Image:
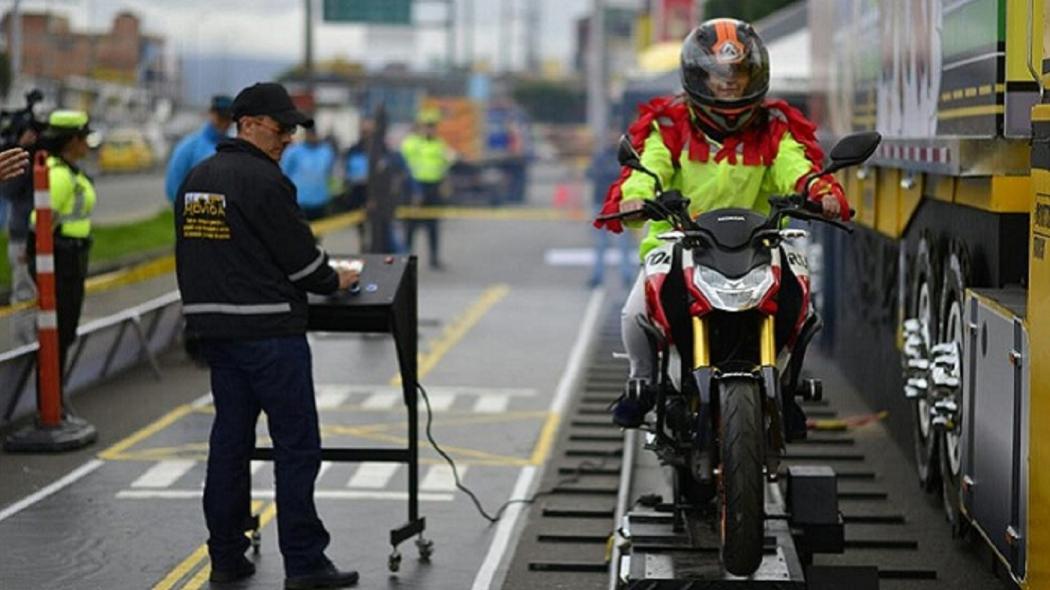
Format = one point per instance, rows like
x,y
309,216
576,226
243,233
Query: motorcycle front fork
x,y
767,372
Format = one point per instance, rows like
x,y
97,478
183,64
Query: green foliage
x,y
746,10
114,243
552,102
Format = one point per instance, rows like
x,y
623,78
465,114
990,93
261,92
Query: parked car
x,y
125,150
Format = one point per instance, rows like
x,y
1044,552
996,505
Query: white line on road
x,y
569,379
440,402
373,475
483,580
439,478
491,405
331,396
381,401
266,494
164,473
31,499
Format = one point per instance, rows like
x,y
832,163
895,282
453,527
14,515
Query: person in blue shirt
x,y
308,164
195,147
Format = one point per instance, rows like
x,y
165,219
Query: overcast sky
x,y
274,28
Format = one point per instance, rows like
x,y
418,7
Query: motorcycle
x,y
729,320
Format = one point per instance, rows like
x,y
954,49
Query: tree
x,y
551,102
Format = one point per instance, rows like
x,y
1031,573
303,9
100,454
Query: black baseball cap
x,y
270,99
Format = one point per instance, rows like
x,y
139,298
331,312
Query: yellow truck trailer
x,y
947,275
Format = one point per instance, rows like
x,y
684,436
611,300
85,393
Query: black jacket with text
x,y
245,256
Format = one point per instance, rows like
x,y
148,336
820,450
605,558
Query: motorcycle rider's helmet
x,y
725,73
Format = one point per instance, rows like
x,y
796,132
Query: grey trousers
x,y
635,342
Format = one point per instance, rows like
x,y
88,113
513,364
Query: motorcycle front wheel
x,y
742,483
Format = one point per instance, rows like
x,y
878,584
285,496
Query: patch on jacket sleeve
x,y
204,217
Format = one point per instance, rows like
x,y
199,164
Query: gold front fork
x,y
701,352
767,343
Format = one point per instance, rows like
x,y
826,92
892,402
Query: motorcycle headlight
x,y
739,294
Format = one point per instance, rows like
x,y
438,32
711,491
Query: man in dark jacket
x,y
245,260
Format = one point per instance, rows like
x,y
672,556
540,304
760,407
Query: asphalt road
x,y
124,198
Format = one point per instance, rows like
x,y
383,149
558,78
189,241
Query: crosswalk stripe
x,y
373,475
491,404
439,478
325,466
440,402
256,466
383,400
164,473
331,396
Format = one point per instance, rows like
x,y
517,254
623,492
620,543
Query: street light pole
x,y
451,33
597,92
308,47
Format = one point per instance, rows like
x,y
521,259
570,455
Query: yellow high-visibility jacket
x,y
72,199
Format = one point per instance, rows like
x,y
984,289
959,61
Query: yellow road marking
x,y
200,555
546,439
490,213
166,265
146,432
186,566
455,331
990,109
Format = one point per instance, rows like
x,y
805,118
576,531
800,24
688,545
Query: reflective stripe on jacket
x,y
72,199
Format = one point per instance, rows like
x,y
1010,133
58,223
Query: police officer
x,y
428,159
245,259
72,201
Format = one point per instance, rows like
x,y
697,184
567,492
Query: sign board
x,y
375,12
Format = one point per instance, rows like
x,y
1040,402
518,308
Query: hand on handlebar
x,y
633,207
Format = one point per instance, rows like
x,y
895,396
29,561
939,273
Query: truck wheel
x,y
949,407
742,489
922,307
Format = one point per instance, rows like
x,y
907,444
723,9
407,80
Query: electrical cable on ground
x,y
493,519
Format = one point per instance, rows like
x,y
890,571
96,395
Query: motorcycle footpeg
x,y
811,390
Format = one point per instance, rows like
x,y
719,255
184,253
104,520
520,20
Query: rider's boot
x,y
637,399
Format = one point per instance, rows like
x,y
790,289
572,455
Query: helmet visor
x,y
728,73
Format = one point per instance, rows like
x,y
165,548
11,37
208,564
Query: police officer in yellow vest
x,y
72,201
428,159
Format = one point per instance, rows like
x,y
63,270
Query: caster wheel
x,y
426,549
256,541
393,563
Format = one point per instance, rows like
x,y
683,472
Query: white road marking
x,y
439,478
580,257
486,574
496,404
373,475
569,379
384,400
256,466
325,466
39,495
331,396
265,494
439,402
164,473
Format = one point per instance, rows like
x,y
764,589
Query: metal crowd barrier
x,y
104,347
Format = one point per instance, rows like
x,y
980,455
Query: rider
x,y
721,144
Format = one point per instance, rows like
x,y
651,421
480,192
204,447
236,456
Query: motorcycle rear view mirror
x,y
853,149
628,156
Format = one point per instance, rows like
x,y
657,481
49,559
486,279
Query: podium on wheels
x,y
383,301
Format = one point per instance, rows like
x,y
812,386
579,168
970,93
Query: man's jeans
x,y
272,375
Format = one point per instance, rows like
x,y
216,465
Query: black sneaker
x,y
329,577
629,411
241,570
